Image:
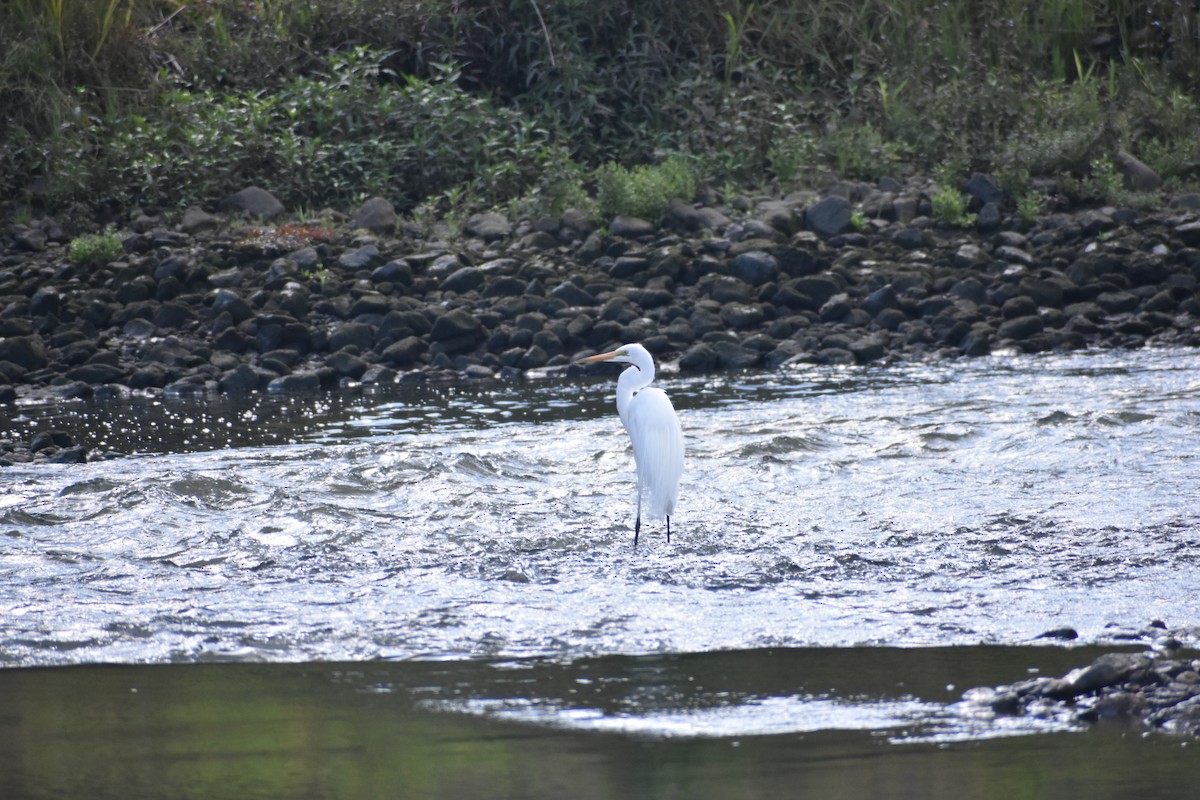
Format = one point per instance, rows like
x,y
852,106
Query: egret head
x,y
633,354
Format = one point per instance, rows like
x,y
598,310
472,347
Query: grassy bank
x,y
443,106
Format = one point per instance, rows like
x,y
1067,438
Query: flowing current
x,y
966,503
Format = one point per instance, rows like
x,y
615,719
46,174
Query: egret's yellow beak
x,y
601,357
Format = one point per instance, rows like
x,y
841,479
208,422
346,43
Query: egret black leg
x,y
637,528
668,530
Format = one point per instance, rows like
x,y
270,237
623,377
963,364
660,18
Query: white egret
x,y
653,426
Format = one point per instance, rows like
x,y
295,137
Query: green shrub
x,y
950,207
643,191
791,155
1029,205
94,249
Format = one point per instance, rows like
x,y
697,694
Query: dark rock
x,y
731,355
45,301
174,315
376,215
397,272
1020,328
149,376
351,334
699,357
1188,233
370,304
977,341
684,217
834,308
1048,291
988,218
1062,633
970,255
1137,176
1014,255
818,288
1117,302
742,316
1019,306
983,190
244,379
878,300
27,352
1105,671
628,266
96,373
835,355
488,226
398,324
829,217
346,363
536,240
29,240
591,248
533,358
463,280
909,238
255,202
365,257
44,440
778,215
631,227
455,324
405,352
756,267
196,219
573,295
869,348
70,455
305,382
969,289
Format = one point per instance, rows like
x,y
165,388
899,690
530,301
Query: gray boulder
x,y
488,226
829,217
376,215
255,202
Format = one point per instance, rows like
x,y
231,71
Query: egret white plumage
x,y
653,426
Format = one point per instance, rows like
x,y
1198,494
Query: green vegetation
x,y
92,249
950,207
475,103
643,191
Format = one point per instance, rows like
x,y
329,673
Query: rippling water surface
x,y
453,568
976,502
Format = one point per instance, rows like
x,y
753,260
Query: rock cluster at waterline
x,y
1156,690
223,302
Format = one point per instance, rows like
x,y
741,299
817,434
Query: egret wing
x,y
658,449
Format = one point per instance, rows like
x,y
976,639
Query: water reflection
x,y
769,723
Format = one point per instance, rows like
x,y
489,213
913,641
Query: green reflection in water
x,y
367,731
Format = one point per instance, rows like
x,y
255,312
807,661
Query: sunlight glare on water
x,y
974,502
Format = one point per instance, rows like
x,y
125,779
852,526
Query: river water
x,y
901,533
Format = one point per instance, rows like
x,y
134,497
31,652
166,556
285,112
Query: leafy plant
x,y
95,249
950,207
790,155
1029,205
1103,181
643,191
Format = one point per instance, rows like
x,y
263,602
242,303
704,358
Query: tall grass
x,y
782,88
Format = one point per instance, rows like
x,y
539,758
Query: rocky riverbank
x,y
1154,691
246,298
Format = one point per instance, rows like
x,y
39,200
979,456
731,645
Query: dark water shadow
x,y
843,723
